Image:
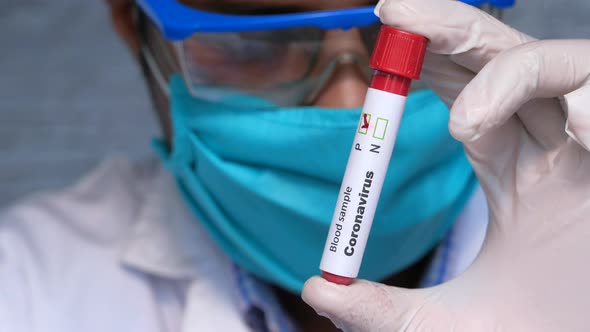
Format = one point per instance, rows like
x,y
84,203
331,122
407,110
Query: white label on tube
x,y
361,187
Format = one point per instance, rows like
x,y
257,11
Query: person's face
x,y
346,88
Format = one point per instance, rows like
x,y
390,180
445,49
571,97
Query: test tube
x,y
397,60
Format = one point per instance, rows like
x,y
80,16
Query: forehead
x,y
263,6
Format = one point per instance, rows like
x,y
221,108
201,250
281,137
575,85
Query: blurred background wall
x,y
70,94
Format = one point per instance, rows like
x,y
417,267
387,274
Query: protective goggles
x,y
260,60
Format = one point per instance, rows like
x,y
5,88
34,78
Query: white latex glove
x,y
533,273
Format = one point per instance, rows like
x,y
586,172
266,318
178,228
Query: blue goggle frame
x,y
177,21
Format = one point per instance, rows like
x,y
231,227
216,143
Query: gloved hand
x,y
522,109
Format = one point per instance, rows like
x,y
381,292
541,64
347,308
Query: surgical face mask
x,y
264,182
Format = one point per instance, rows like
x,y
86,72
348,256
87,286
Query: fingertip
x,y
377,9
327,298
312,283
318,290
463,133
397,13
577,124
464,124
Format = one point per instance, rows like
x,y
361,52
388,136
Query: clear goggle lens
x,y
285,67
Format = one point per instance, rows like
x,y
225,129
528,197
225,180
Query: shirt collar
x,y
166,240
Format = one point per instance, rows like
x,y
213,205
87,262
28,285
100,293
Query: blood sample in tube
x,y
397,60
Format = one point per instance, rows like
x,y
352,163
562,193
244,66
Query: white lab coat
x,y
119,252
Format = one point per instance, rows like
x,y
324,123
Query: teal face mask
x,y
264,183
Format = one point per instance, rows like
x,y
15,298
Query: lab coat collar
x,y
166,240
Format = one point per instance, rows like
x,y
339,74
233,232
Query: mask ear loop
x,y
152,41
154,69
153,75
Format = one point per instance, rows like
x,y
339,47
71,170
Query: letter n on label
x,y
375,148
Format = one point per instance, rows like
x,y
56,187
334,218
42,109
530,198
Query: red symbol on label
x,y
365,122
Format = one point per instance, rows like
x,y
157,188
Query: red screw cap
x,y
399,52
